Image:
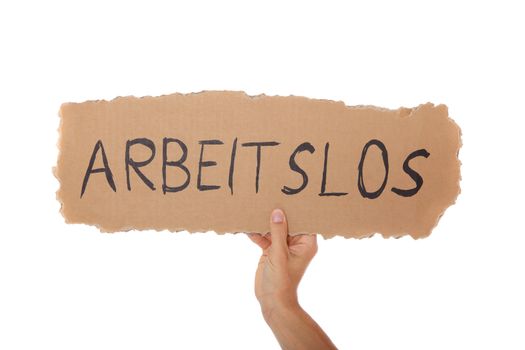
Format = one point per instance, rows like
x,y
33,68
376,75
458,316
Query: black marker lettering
x,y
179,164
232,166
412,173
135,164
207,163
105,169
305,146
323,182
361,184
259,145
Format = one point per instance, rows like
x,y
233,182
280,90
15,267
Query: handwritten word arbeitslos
x,y
169,164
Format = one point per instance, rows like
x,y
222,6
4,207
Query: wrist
x,y
278,305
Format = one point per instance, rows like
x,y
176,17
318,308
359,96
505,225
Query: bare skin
x,y
283,262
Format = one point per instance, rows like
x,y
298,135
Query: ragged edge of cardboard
x,y
407,113
402,111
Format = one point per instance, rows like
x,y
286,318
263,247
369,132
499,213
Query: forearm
x,y
295,329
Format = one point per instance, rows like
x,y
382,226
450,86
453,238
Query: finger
x,y
279,232
260,240
303,245
308,238
310,241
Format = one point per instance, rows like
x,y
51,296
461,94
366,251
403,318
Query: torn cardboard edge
x,y
225,116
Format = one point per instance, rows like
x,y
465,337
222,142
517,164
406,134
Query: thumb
x,y
279,231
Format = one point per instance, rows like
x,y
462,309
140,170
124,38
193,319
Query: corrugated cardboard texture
x,y
334,169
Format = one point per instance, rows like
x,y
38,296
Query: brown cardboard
x,y
234,203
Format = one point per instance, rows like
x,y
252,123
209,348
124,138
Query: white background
x,y
71,287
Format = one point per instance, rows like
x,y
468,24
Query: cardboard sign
x,y
222,161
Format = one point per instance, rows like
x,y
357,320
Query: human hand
x,y
282,264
